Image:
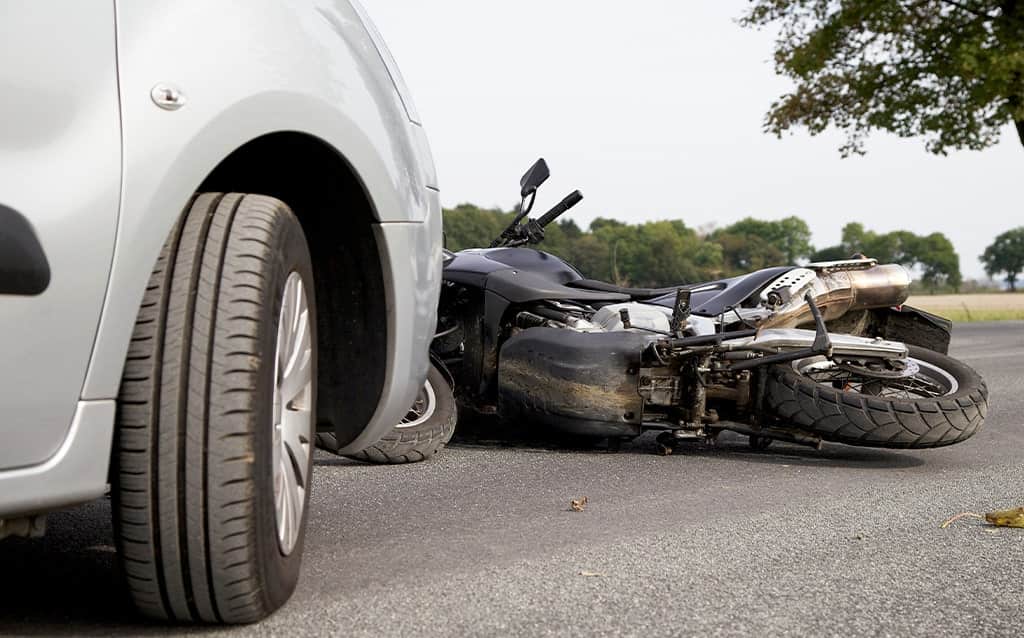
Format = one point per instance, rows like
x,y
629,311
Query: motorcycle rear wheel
x,y
942,401
426,428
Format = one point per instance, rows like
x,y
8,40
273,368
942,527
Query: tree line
x,y
666,253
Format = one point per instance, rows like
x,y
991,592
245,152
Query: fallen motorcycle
x,y
803,354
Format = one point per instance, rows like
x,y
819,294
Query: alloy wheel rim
x,y
422,408
292,415
923,381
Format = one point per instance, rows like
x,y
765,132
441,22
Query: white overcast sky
x,y
653,108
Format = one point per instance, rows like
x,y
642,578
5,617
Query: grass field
x,y
981,307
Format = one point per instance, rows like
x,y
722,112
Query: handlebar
x,y
571,200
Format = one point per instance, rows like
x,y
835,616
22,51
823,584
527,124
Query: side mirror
x,y
534,177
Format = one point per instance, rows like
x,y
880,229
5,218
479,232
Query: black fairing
x,y
477,264
524,274
716,297
521,275
509,276
580,383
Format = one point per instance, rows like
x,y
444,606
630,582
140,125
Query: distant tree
x,y
951,71
790,236
604,222
666,253
1006,255
939,263
933,254
670,253
592,257
744,253
832,253
569,227
888,248
468,226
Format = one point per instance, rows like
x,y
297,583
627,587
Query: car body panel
x,y
329,82
245,69
413,279
60,167
75,473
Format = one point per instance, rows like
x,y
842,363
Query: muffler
x,y
838,289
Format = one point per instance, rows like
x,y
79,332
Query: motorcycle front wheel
x,y
934,401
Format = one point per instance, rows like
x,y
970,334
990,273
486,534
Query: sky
x,y
654,109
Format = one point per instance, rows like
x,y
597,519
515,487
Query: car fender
x,y
330,82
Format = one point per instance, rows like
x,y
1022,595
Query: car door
x,y
60,177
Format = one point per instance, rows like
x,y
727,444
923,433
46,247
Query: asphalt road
x,y
480,541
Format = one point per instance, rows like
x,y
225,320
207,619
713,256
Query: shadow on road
x,y
484,434
68,583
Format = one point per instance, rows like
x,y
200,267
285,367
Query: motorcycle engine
x,y
648,317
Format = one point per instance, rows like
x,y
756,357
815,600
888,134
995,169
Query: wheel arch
x,y
337,216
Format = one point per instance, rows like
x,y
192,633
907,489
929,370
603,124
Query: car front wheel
x,y
216,414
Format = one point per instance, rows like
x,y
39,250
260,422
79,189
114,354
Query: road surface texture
x,y
722,541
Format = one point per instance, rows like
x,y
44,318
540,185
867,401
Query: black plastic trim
x,y
24,269
635,293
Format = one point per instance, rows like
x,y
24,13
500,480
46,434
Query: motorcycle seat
x,y
634,293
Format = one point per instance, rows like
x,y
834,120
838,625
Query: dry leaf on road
x,y
1006,518
578,504
1001,518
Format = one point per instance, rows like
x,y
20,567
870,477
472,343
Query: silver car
x,y
220,232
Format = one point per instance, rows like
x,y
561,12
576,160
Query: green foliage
x,y
1006,255
951,71
939,263
467,226
666,253
654,254
933,254
751,243
832,253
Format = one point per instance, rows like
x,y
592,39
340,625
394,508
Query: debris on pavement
x,y
578,504
590,574
1001,518
952,519
1006,518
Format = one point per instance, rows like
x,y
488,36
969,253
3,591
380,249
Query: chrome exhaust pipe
x,y
841,290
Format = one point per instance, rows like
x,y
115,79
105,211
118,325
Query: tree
x,y
745,253
933,254
467,226
939,263
1006,255
832,253
668,253
896,247
951,71
791,237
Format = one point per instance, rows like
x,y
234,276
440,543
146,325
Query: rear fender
x,y
443,369
913,326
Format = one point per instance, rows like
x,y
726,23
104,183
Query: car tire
x,y
216,413
421,435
